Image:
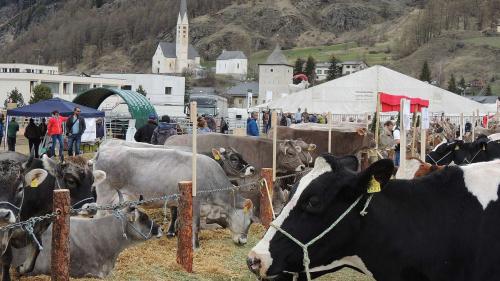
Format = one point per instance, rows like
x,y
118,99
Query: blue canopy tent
x,y
46,107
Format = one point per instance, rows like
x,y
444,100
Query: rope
x,y
306,260
367,203
269,198
437,163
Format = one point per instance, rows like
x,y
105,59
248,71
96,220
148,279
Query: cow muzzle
x,y
88,210
257,264
6,217
249,171
300,168
240,240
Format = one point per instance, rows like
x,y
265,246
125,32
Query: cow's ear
x,y
312,147
216,154
49,165
376,176
99,177
35,177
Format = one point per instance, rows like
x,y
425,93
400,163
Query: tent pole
x,y
402,141
6,126
462,126
377,122
414,135
473,125
330,125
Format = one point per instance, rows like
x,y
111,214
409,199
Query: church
x,y
174,58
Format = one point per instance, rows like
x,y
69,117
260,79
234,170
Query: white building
x,y
174,58
348,67
233,63
275,76
28,68
166,93
66,87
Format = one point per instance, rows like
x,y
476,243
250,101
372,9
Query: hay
x,y
219,259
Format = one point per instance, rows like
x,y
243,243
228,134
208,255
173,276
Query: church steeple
x,y
182,38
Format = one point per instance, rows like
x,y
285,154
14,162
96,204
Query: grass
x,y
217,260
485,41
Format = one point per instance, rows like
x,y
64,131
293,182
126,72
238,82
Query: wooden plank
x,y
266,209
274,125
60,236
185,238
194,116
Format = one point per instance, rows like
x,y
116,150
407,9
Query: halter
x,y
234,169
437,162
81,201
306,260
119,215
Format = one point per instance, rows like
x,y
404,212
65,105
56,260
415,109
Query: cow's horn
x,y
120,196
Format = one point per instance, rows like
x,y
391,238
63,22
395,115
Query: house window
x,y
158,62
348,66
319,71
347,72
272,70
168,90
238,66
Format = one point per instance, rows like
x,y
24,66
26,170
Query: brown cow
x,y
416,168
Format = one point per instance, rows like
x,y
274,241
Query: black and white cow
x,y
461,153
443,226
74,175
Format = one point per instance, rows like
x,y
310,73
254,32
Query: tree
x,y
335,69
299,66
452,85
14,97
141,90
462,86
310,69
40,92
425,75
488,91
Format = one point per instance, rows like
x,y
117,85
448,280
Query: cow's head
x,y
288,157
237,219
12,182
232,162
75,175
321,197
306,150
447,152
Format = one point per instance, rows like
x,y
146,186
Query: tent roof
x,y
357,94
46,107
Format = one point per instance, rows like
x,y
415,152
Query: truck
x,y
212,105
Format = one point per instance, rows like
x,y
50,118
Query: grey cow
x,y
154,172
96,243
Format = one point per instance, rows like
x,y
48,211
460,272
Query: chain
x,y
246,186
297,174
29,223
133,203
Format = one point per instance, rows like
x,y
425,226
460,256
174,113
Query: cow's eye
x,y
313,204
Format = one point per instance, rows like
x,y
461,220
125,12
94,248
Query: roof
x,y
357,94
138,105
232,55
352,62
277,57
203,91
484,99
242,88
183,8
46,107
169,50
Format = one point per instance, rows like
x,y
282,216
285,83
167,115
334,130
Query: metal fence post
x,y
266,193
60,236
185,239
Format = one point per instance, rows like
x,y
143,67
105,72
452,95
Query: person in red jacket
x,y
55,131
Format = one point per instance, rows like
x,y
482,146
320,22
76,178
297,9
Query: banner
x,y
425,119
249,100
90,132
407,114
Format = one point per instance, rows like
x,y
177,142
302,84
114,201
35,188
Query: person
x,y
289,120
164,130
298,117
305,116
321,119
145,132
203,126
396,135
252,127
212,125
283,120
55,130
1,127
11,134
33,134
99,129
266,121
75,127
224,126
313,118
43,127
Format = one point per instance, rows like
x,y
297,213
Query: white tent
x,y
357,94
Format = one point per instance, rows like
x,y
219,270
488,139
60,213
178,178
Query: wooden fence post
x,y
266,210
185,239
274,125
365,161
60,236
330,127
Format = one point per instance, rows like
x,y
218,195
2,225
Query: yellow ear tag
x,y
374,186
217,157
34,183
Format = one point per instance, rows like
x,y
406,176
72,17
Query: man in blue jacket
x,y
252,127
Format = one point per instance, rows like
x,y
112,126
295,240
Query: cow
x,y
153,172
439,227
231,160
416,168
74,175
257,151
15,156
96,243
305,151
481,150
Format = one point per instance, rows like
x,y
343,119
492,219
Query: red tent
x,y
392,103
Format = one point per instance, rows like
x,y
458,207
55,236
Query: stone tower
x,y
182,39
275,76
